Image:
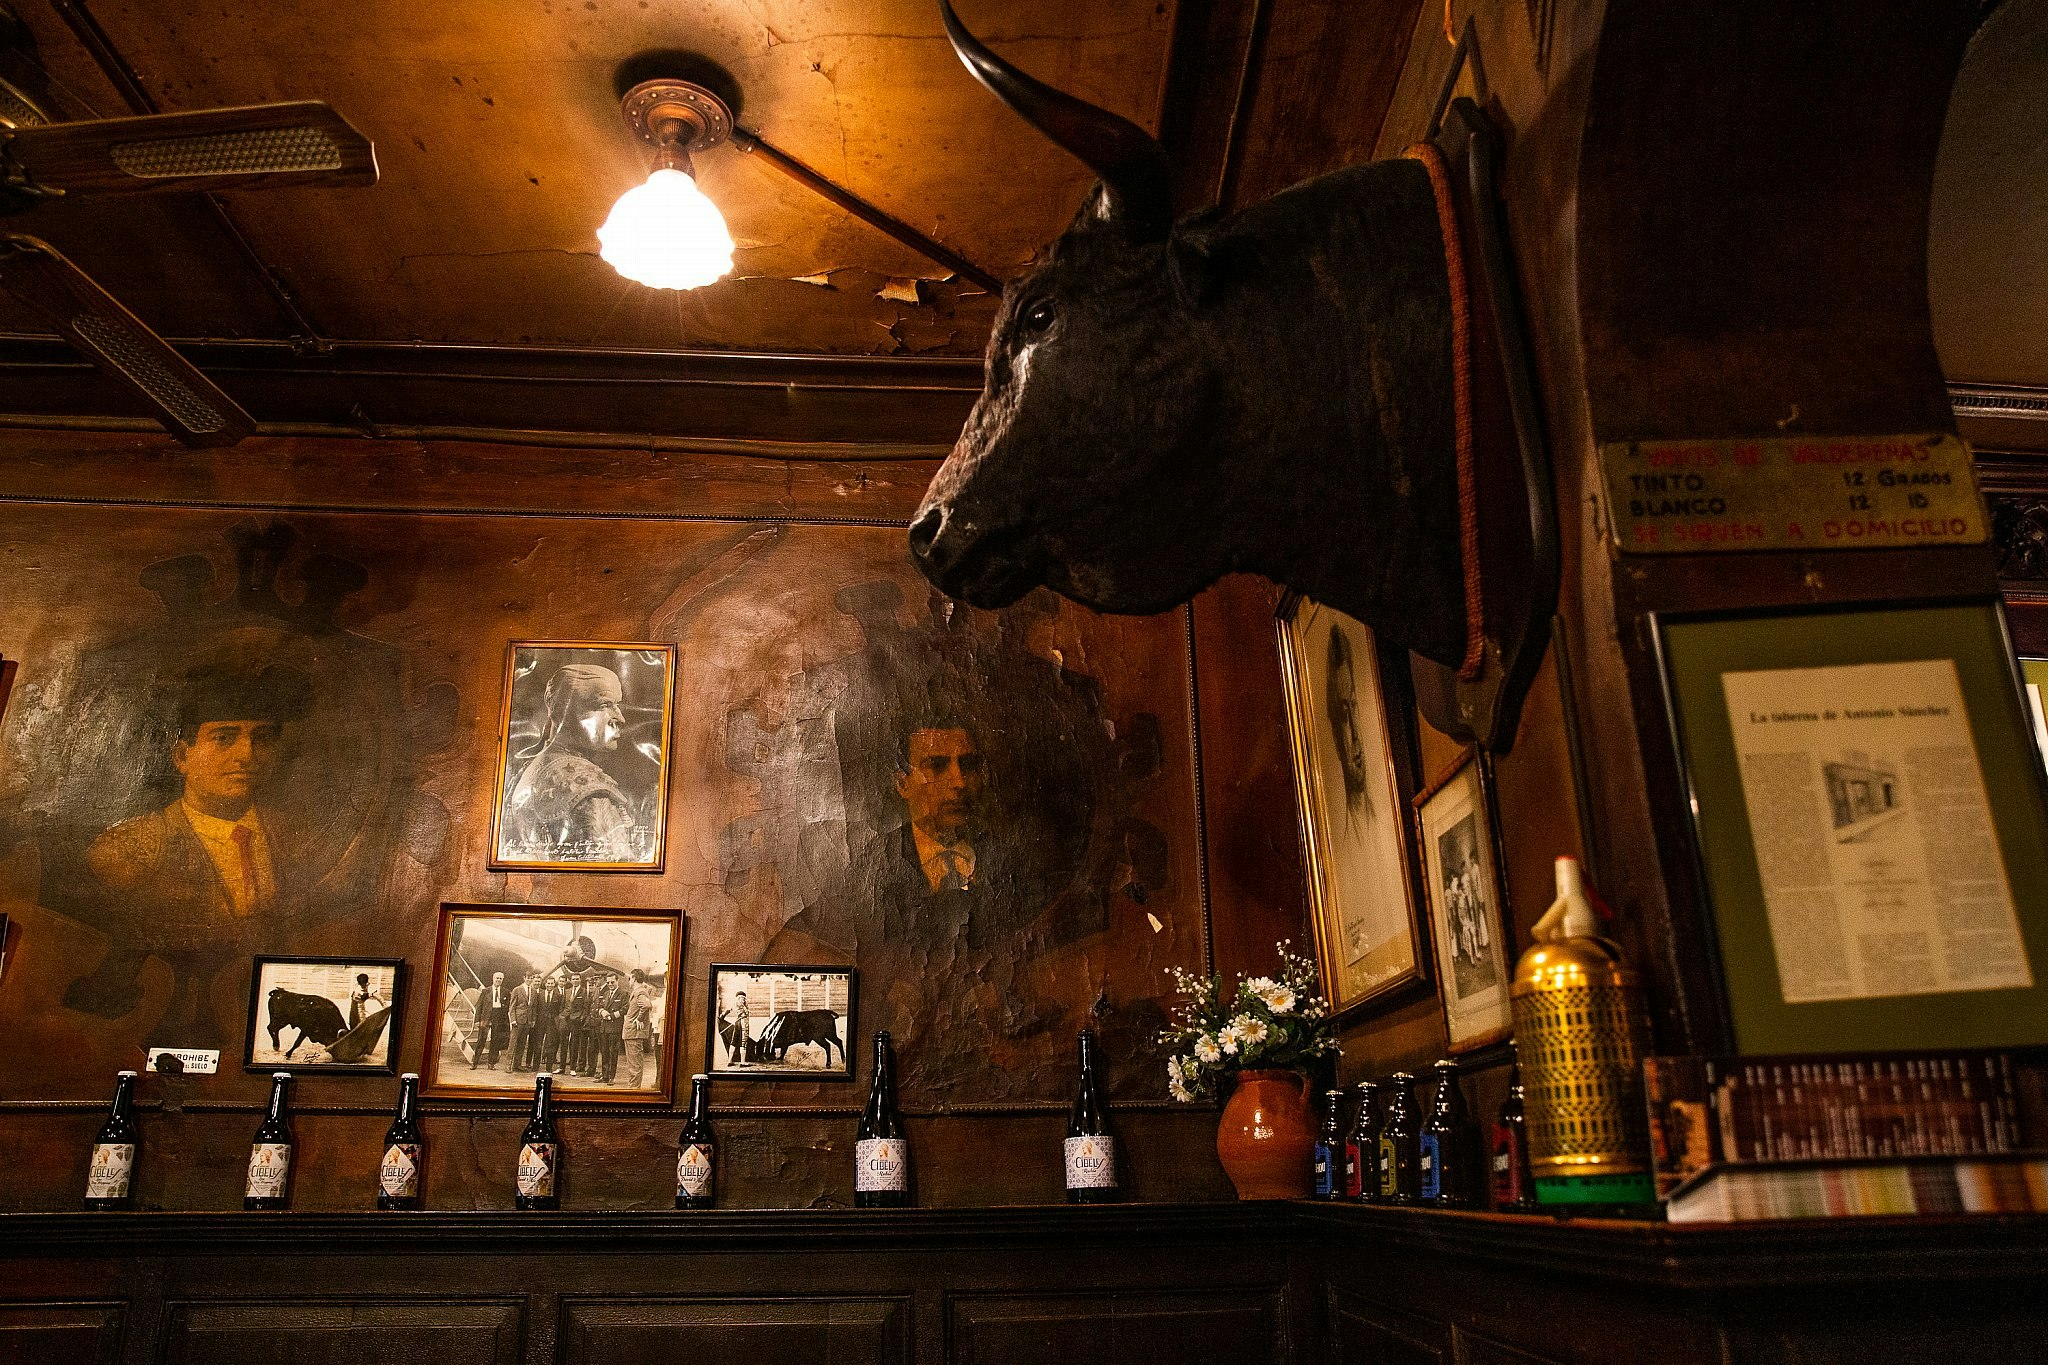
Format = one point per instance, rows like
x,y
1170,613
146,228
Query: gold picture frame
x,y
483,1041
1352,743
575,787
1469,922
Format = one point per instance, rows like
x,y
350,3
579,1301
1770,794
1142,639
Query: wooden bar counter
x,y
1232,1283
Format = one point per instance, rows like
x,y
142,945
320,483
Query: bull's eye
x,y
1036,318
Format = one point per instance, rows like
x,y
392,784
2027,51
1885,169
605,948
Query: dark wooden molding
x,y
376,388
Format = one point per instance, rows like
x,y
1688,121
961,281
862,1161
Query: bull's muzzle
x,y
964,561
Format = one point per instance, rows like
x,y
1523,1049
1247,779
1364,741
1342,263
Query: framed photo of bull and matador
x,y
1350,729
780,1023
583,751
331,1015
587,995
1468,912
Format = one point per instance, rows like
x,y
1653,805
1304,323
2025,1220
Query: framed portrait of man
x,y
1352,744
1467,902
583,751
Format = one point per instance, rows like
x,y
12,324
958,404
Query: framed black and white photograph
x,y
1468,916
583,750
1349,727
325,1014
781,1022
587,995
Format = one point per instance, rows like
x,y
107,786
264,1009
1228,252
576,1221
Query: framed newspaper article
x,y
1870,822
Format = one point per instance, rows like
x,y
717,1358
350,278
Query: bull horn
x,y
1136,180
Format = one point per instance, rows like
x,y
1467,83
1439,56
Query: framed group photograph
x,y
1349,729
588,995
583,753
324,1014
1868,812
780,1022
1468,913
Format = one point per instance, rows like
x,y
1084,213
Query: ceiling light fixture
x,y
666,233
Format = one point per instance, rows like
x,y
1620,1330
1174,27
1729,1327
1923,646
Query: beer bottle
x,y
697,1151
1091,1141
405,1151
881,1150
109,1183
1395,1164
1445,1156
538,1180
1329,1148
1513,1190
270,1152
1362,1147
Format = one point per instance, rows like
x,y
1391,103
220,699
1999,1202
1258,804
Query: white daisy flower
x,y
1248,1028
1180,1092
1228,1039
1206,1048
1275,996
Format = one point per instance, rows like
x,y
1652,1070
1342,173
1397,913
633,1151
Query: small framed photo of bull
x,y
781,1023
332,1015
588,996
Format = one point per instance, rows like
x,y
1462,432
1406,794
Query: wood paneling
x,y
342,1332
60,1333
1212,1328
1366,1333
765,1331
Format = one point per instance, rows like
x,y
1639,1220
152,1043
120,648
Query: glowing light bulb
x,y
666,234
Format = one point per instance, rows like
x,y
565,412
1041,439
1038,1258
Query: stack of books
x,y
1742,1138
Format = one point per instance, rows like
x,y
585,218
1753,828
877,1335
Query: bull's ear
x,y
1203,261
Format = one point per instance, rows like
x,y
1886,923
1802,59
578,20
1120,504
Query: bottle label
x,y
536,1176
881,1165
269,1164
1091,1163
1354,1171
399,1176
113,1166
1429,1166
1325,1186
693,1171
1389,1163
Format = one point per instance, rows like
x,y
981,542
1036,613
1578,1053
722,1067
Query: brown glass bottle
x,y
1513,1189
110,1180
1447,1153
538,1178
1328,1154
1395,1163
268,1185
1362,1147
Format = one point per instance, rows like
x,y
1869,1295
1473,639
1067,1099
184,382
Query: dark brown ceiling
x,y
501,149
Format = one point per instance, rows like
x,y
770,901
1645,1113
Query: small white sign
x,y
192,1061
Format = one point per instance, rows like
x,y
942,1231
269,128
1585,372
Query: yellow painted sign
x,y
1791,493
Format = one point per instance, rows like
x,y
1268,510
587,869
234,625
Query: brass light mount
x,y
676,118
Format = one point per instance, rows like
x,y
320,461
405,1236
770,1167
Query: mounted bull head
x,y
1269,392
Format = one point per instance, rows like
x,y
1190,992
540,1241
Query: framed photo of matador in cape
x,y
583,749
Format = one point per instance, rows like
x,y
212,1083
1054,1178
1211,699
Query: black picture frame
x,y
718,1065
264,973
1695,653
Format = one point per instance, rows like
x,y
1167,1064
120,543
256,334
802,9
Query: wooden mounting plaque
x,y
1791,493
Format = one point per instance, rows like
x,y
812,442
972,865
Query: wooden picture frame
x,y
1808,741
319,997
1459,832
1350,730
609,967
788,1026
573,788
